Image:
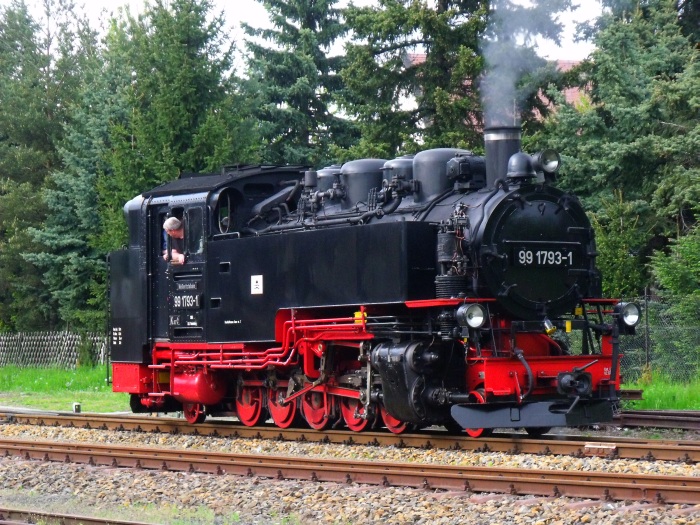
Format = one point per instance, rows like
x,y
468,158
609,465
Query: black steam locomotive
x,y
443,288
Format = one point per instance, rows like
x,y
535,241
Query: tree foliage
x,y
42,65
415,69
176,99
687,11
411,74
678,271
636,127
620,247
294,81
73,269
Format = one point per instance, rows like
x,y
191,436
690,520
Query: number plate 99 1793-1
x,y
543,257
186,301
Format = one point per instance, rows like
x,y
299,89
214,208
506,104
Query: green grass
x,y
662,394
57,389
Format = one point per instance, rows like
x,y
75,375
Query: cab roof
x,y
198,183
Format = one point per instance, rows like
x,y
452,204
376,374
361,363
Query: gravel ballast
x,y
171,497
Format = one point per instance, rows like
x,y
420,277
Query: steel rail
x,y
597,485
617,447
631,395
10,516
681,419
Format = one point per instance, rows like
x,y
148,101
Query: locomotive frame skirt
x,y
532,415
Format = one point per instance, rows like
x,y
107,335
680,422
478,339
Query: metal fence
x,y
52,349
666,343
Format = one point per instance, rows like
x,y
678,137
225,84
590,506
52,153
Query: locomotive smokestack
x,y
509,57
501,142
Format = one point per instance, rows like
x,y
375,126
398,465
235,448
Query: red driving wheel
x,y
284,416
314,409
394,425
249,405
353,412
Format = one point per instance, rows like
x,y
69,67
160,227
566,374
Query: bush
x,y
87,352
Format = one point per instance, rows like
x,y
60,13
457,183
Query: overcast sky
x,y
250,11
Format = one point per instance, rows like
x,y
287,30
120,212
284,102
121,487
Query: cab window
x,y
224,211
195,231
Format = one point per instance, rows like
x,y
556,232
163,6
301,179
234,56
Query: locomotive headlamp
x,y
627,317
629,313
549,161
471,315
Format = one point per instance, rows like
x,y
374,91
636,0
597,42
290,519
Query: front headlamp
x,y
471,315
550,160
547,162
628,313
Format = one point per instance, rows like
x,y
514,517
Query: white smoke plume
x,y
508,48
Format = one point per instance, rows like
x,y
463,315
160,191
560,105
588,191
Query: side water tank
x,y
430,169
359,177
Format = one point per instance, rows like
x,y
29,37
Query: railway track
x,y
618,447
680,419
595,485
17,516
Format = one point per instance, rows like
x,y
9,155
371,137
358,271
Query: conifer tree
x,y
295,81
415,68
178,101
636,130
42,63
73,269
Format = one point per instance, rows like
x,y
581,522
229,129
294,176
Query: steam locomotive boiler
x,y
443,288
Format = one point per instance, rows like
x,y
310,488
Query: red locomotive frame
x,y
187,372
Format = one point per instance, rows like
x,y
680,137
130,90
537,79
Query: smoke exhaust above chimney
x,y
508,59
508,47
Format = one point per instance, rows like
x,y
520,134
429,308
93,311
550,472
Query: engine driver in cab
x,y
175,230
